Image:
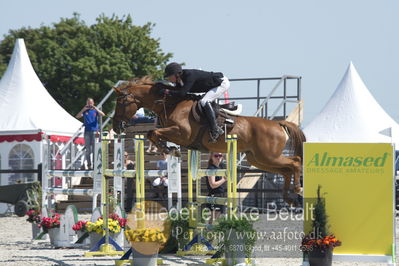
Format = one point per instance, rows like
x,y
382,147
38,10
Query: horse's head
x,y
131,96
137,93
125,108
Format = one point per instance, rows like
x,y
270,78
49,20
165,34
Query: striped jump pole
x,y
47,174
108,246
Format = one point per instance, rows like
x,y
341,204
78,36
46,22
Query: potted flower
x,y
121,221
52,226
34,199
119,237
318,244
35,219
145,245
236,237
81,231
96,230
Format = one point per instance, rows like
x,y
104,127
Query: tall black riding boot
x,y
214,129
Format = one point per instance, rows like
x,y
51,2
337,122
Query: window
x,y
21,157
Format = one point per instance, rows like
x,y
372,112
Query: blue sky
x,y
313,39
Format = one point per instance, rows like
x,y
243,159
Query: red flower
x,y
51,222
122,222
323,243
80,225
115,217
33,216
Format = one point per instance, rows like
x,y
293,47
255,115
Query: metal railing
x,y
278,94
262,107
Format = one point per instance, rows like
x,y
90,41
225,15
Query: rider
x,y
193,80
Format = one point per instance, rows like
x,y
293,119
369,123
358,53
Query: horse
x,y
261,140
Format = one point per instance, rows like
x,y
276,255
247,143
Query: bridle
x,y
125,100
125,103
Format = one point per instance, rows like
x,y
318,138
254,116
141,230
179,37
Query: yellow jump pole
x,y
197,189
231,158
190,195
233,170
140,181
229,177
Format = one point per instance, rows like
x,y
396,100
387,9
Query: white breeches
x,y
157,181
215,93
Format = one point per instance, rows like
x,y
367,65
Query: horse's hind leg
x,y
291,166
285,172
297,168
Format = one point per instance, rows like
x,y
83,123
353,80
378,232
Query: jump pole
x,y
100,175
109,248
140,174
194,174
140,180
95,174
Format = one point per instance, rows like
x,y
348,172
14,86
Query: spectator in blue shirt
x,y
90,115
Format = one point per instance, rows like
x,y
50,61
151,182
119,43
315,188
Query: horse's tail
x,y
297,137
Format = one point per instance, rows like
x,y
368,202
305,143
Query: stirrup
x,y
214,135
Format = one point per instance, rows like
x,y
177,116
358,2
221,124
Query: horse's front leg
x,y
160,136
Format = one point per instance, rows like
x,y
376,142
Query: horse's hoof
x,y
299,191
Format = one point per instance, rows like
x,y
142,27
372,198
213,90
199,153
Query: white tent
x,y
25,105
28,112
352,115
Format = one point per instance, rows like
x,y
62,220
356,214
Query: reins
x,y
163,101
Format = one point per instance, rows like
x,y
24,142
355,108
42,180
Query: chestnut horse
x,y
261,140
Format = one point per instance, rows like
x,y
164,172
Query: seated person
x,y
129,165
163,180
140,117
216,185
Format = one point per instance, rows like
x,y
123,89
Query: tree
x,y
75,61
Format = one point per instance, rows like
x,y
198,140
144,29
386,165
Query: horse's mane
x,y
146,80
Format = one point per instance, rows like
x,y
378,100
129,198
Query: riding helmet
x,y
172,69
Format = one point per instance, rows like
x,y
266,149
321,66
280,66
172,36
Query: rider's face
x,y
172,78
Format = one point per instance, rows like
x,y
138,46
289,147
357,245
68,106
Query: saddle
x,y
223,119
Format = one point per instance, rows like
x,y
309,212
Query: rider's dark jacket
x,y
197,81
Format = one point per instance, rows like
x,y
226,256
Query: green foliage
x,y
34,196
180,230
240,226
320,221
75,61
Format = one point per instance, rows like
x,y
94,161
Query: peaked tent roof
x,y
25,105
352,115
